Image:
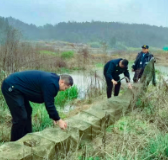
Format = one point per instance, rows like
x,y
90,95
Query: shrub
x,y
67,55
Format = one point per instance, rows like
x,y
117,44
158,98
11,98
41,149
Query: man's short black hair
x,y
68,79
125,62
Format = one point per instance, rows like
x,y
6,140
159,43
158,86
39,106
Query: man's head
x,y
123,63
145,48
65,82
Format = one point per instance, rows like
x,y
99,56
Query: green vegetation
x,y
67,55
99,65
116,35
64,97
95,44
157,148
139,135
41,118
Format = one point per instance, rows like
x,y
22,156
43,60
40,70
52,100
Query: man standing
x,y
141,61
112,70
35,86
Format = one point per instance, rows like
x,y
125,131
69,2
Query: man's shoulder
x,y
150,54
116,60
49,77
139,53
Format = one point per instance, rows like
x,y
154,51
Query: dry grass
x,y
139,135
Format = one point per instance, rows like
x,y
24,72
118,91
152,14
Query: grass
x,y
89,158
64,97
47,52
40,117
99,65
141,135
157,148
67,55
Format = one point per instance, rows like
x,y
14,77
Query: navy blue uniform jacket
x,y
112,69
141,61
38,87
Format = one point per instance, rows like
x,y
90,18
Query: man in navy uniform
x,y
36,86
112,70
141,61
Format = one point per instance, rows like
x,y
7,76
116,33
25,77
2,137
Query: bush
x,y
67,55
95,44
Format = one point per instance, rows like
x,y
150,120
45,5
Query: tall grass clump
x,y
65,96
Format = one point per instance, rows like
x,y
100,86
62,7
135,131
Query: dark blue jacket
x,y
112,69
38,87
141,61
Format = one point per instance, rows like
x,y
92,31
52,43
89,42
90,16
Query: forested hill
x,y
113,33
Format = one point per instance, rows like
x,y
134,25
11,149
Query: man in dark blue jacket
x,y
112,70
36,86
141,61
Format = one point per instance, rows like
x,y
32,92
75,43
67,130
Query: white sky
x,y
40,12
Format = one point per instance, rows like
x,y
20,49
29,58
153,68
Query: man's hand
x,y
114,82
129,86
62,124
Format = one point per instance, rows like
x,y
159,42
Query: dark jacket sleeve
x,y
110,69
150,57
135,62
126,74
49,92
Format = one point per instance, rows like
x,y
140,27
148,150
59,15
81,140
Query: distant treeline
x,y
4,27
115,35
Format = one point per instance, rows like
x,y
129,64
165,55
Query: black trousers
x,y
20,110
110,86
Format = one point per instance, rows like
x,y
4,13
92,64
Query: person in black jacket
x,y
112,70
141,61
36,86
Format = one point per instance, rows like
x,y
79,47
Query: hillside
x,y
116,35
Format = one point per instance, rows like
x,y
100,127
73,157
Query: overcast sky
x,y
40,12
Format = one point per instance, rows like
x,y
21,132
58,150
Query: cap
x,y
145,46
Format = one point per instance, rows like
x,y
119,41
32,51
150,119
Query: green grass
x,y
128,126
64,97
67,55
40,117
157,148
99,65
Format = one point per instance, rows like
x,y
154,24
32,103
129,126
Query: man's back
x,y
34,83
